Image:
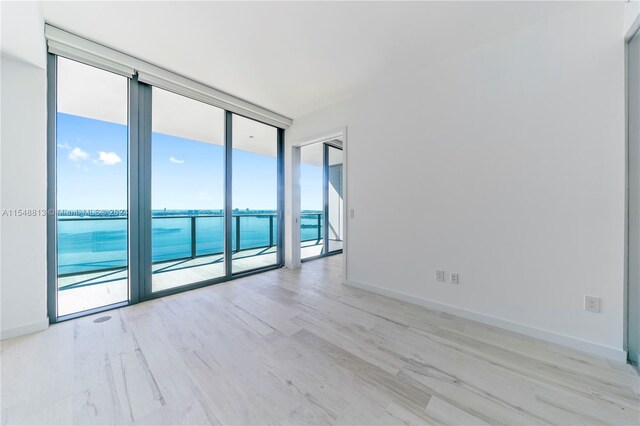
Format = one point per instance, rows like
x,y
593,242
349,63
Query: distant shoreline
x,y
122,213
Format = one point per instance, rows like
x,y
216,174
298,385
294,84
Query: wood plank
x,y
298,347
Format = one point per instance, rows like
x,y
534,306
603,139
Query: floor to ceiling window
x,y
311,200
187,191
334,208
255,242
321,200
156,192
91,188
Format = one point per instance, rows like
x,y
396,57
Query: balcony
x,y
92,252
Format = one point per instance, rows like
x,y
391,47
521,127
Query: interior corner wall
x,y
23,277
23,168
505,164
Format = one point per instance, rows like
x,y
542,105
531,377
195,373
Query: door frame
x,y
293,196
632,358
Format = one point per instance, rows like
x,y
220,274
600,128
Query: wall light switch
x,y
352,213
440,276
454,278
592,304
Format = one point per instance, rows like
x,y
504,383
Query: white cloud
x,y
64,145
77,154
174,160
109,158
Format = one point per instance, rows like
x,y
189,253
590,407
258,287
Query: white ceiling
x,y
312,154
21,30
293,58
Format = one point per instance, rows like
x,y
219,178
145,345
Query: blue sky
x,y
186,174
92,167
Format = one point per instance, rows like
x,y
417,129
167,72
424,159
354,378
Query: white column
x,y
292,206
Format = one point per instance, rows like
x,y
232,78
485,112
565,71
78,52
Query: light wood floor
x,y
297,347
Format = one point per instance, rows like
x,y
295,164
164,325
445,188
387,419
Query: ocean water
x,y
101,243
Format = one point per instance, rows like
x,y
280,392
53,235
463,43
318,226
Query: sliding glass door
x,y
334,201
255,195
187,191
155,192
321,200
311,200
91,224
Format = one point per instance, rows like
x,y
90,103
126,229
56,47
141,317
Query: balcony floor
x,y
110,287
313,248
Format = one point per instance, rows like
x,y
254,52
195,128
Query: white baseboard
x,y
24,329
549,336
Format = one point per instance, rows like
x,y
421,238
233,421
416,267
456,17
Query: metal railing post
x,y
238,233
270,231
319,226
193,237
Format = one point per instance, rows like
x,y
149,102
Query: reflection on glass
x,y
255,195
311,200
187,191
335,203
91,188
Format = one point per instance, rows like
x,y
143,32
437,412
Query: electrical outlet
x,y
440,276
352,213
592,304
454,278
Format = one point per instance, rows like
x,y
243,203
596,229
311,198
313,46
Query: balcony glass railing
x,y
94,244
310,227
87,244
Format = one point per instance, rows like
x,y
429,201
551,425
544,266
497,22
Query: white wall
x,y
505,164
23,287
22,32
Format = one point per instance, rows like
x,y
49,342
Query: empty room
x,y
320,212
